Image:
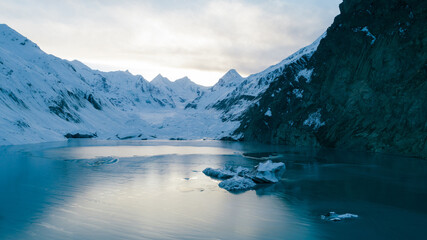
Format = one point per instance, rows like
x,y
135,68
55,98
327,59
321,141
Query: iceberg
x,y
226,173
237,183
219,173
267,172
240,178
332,216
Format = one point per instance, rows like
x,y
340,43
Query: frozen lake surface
x,y
89,189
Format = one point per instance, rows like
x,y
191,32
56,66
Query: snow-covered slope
x,y
232,95
180,91
224,86
43,97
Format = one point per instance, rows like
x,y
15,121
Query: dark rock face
x,y
368,88
80,135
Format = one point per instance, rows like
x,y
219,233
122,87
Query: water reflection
x,y
132,151
156,190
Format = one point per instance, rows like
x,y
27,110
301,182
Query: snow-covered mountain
x,y
43,98
233,94
181,91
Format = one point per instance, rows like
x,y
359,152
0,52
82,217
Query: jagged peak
x,y
160,79
231,74
185,81
232,77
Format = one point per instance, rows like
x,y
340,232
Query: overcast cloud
x,y
201,39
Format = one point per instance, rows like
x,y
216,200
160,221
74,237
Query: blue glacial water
x,y
89,189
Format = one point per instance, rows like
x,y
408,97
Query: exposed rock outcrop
x,y
365,88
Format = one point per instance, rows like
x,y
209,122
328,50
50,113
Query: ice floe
x,y
241,178
237,183
332,216
267,172
225,173
219,173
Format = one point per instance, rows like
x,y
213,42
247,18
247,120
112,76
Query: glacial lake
x,y
92,189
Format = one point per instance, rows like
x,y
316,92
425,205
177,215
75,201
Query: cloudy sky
x,y
201,39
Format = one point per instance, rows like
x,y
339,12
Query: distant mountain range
x,y
361,85
44,98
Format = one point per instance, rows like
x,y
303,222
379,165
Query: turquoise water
x,y
88,189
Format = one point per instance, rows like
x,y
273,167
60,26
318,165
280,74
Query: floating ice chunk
x,y
241,171
332,216
270,166
225,173
240,178
237,184
267,172
219,173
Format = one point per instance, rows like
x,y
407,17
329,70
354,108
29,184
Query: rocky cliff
x,y
365,88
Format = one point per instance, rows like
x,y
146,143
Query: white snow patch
x,y
314,121
298,92
306,73
268,113
368,33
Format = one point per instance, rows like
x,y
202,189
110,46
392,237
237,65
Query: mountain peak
x,y
160,79
158,76
232,74
185,81
231,78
